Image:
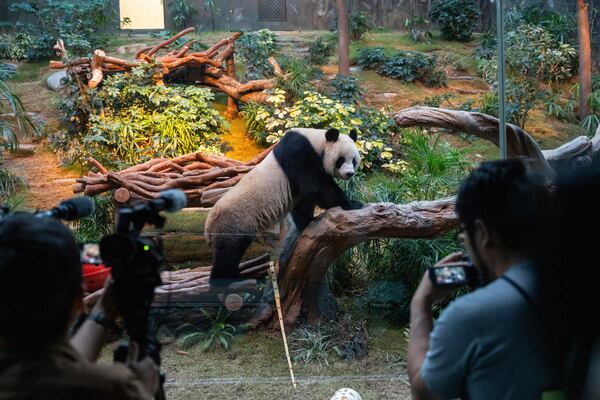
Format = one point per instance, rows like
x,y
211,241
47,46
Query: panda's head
x,y
340,156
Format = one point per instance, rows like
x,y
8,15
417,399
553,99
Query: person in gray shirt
x,y
488,344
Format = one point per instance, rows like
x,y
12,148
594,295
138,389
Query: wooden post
x,y
343,39
585,59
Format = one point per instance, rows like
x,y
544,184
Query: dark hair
x,y
40,275
506,198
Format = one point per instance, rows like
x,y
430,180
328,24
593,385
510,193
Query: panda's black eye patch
x,y
339,162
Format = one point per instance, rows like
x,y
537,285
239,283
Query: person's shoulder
x,y
480,301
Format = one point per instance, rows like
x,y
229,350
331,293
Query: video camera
x,y
135,263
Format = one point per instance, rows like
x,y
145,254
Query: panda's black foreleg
x,y
227,254
303,213
332,196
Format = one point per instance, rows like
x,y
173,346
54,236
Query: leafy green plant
x,y
268,122
346,89
182,13
130,120
435,168
254,49
6,72
9,184
456,18
360,25
521,98
299,74
487,45
213,11
320,51
94,227
554,107
310,346
434,101
411,66
418,29
76,22
220,332
534,53
14,47
10,102
371,57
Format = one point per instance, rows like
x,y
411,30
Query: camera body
x,y
454,274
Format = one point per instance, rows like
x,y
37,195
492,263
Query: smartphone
x,y
455,274
90,254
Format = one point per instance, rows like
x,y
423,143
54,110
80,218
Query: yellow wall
x,y
144,14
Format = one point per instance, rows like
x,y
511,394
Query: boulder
x,y
54,81
131,48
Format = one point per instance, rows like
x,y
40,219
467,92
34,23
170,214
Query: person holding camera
x,y
41,296
488,344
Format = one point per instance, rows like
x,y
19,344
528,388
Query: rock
x,y
10,66
390,95
131,48
54,81
356,68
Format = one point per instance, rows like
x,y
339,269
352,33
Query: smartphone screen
x,y
455,274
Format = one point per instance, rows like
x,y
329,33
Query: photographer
x,y
487,344
41,296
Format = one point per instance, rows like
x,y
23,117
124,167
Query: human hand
x,y
106,303
145,369
428,294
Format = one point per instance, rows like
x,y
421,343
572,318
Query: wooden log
x,y
167,42
122,195
96,65
97,164
326,237
519,143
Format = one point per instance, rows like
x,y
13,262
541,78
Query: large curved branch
x,y
337,230
519,143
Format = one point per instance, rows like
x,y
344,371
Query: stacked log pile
x,y
214,67
203,178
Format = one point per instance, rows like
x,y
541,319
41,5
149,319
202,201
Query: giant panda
x,y
294,178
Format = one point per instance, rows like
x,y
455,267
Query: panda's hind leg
x,y
227,254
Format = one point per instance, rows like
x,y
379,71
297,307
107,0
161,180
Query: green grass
x,y
28,72
393,41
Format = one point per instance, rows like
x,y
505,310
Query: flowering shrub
x,y
268,123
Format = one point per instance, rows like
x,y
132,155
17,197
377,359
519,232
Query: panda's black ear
x,y
353,135
332,135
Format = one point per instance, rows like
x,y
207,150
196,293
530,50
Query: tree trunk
x,y
343,39
585,59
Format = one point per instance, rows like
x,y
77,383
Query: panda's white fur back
x,y
264,193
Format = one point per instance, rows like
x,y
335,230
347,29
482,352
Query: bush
x,y
456,18
371,57
14,47
94,227
411,66
320,51
487,45
254,49
521,98
418,30
131,120
346,89
299,74
267,123
182,13
360,24
9,184
563,27
76,22
533,52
